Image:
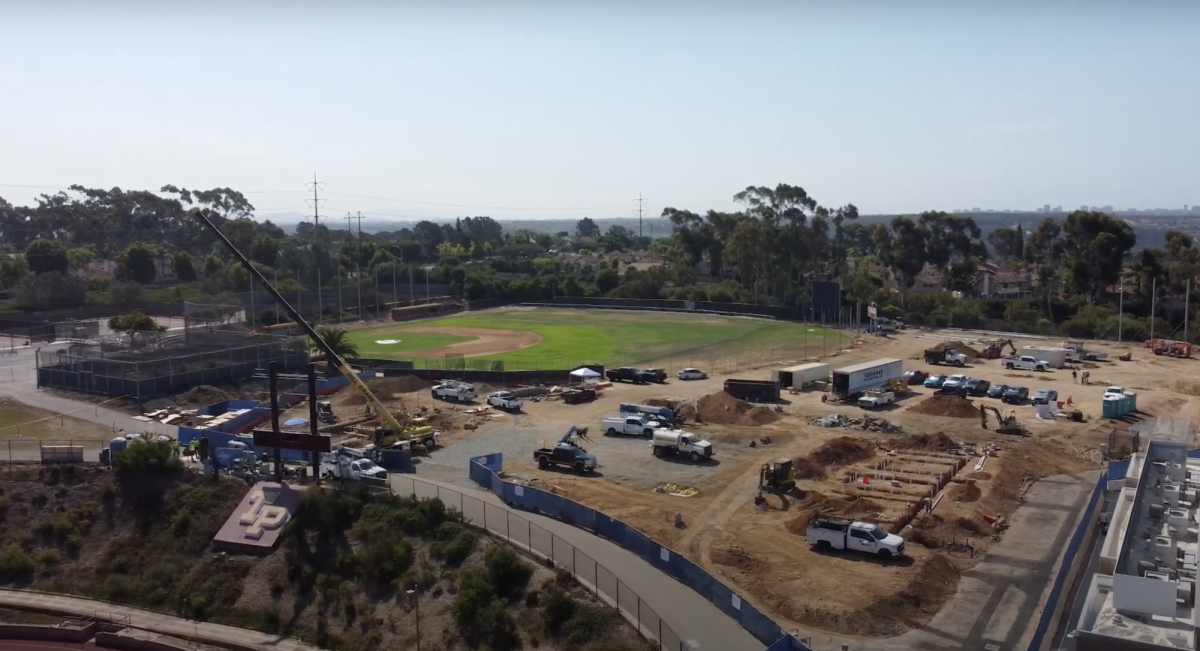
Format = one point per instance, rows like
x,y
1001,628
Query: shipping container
x,y
853,380
798,377
1056,356
753,390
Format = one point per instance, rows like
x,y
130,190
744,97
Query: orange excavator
x,y
1169,348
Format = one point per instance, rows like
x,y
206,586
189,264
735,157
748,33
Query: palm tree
x,y
338,339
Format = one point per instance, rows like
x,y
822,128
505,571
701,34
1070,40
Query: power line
x,y
640,202
462,205
316,202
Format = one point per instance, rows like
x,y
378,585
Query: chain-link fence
x,y
537,541
18,450
166,364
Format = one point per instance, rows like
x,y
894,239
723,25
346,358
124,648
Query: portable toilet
x,y
1111,407
117,446
1132,398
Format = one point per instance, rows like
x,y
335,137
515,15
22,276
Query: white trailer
x,y
1056,356
798,377
853,380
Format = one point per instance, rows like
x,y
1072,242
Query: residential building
x,y
930,280
1142,596
1005,285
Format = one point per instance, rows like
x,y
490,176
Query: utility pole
x,y
316,201
640,211
360,218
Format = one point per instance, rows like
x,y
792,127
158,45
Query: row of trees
x,y
767,252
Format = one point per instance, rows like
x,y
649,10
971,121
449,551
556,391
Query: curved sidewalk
x,y
699,623
204,632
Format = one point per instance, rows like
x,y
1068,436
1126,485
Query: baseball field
x,y
530,338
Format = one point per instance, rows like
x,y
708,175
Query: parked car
x,y
954,383
1015,395
1045,397
691,374
628,374
915,377
935,381
656,374
976,387
997,390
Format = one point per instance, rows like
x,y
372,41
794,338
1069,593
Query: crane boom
x,y
330,354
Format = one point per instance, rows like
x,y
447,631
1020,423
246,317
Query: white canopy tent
x,y
584,374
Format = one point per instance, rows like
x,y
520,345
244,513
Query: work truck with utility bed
x,y
832,533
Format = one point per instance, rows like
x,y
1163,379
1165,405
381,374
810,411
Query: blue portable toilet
x,y
1111,407
116,446
1132,397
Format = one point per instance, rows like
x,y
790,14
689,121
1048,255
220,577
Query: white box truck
x,y
853,380
1056,356
798,377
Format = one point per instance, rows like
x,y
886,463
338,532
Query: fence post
x,y
508,526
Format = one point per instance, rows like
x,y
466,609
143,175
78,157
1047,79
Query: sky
x,y
528,108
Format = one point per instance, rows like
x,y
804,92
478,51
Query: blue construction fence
x,y
1058,591
237,428
485,472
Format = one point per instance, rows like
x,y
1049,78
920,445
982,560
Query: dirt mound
x,y
384,387
958,346
948,406
842,451
723,409
967,491
917,602
205,395
837,506
938,441
804,468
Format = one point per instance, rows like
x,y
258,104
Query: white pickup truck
x,y
831,533
876,398
505,400
679,442
347,468
1026,363
630,425
455,391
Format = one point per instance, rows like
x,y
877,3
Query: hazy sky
x,y
565,109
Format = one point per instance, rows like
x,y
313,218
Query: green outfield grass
x,y
408,341
575,336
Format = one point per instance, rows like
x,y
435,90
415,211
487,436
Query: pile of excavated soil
x,y
723,409
948,406
838,506
960,347
804,468
205,395
383,388
864,423
841,451
967,491
936,441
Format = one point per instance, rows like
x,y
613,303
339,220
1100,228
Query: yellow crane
x,y
331,355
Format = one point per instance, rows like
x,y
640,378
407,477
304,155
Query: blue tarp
x,y
295,422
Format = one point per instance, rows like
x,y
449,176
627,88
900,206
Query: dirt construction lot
x,y
887,473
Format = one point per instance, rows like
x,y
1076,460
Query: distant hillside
x,y
1148,227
